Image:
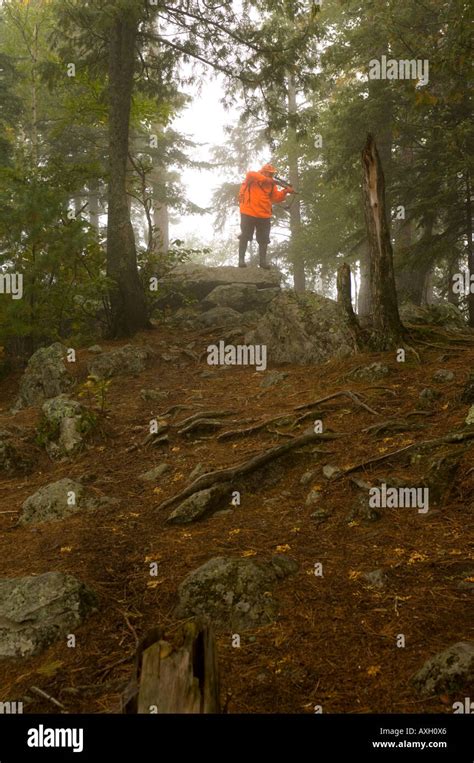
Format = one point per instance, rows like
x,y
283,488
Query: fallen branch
x,y
224,475
347,393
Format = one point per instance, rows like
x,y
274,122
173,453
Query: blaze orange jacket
x,y
257,194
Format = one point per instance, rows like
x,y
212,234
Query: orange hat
x,y
268,168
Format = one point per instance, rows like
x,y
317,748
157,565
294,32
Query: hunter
x,y
257,194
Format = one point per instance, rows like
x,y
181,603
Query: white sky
x,y
203,121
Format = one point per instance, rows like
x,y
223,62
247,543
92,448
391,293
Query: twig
x,y
42,693
130,626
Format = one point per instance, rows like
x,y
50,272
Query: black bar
x,y
322,737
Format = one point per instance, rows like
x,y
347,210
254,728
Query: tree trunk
x,y
93,197
161,223
470,251
453,267
386,320
364,303
344,298
295,209
127,300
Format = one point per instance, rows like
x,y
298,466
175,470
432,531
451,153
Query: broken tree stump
x,y
385,316
171,679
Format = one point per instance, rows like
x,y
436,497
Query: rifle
x,y
283,183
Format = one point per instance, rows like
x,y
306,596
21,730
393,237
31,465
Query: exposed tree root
x,y
454,437
233,472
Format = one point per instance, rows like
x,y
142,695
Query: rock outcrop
x,y
302,329
198,281
130,359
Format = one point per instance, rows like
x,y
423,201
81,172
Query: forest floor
x,y
334,643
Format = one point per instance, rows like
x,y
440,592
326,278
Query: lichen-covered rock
x,y
58,500
445,314
448,671
470,417
130,359
302,329
63,426
199,504
45,376
241,297
197,281
36,611
233,593
219,316
443,375
370,373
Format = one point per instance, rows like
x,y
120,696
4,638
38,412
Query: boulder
x,y
469,420
198,505
241,297
63,425
233,593
448,671
130,359
302,329
36,611
219,316
45,376
198,281
58,500
445,314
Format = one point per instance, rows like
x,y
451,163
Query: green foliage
x,y
96,390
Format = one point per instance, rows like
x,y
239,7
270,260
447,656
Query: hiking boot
x,y
262,254
242,250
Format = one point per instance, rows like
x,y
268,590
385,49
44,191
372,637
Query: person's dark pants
x,y
248,226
